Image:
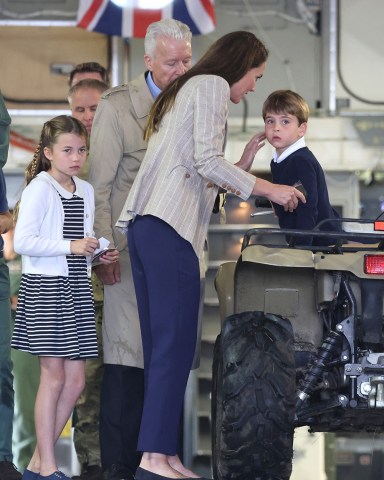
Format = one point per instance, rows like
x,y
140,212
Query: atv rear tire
x,y
253,396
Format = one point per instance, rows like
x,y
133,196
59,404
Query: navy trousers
x,y
166,275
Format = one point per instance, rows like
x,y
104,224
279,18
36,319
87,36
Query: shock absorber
x,y
317,367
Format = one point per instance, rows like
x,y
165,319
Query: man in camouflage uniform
x,y
86,415
26,372
83,97
7,469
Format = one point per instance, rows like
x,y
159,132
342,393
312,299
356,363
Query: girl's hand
x,y
250,150
110,256
84,246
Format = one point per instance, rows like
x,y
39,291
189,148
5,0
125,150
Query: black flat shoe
x,y
116,471
142,474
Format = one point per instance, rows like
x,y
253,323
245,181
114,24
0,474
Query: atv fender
x,y
224,284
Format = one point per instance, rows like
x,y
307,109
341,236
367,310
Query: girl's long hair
x,y
49,134
230,57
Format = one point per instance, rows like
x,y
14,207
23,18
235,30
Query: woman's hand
x,y
287,196
284,195
250,150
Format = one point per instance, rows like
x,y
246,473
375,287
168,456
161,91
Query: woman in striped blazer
x,y
167,213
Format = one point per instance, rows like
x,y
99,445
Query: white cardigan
x,y
39,227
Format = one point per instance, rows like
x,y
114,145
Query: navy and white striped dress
x,y
55,315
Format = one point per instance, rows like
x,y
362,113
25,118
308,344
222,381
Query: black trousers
x,y
121,405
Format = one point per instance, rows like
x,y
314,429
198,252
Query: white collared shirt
x,y
292,148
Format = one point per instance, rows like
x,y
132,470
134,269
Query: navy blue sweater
x,y
302,166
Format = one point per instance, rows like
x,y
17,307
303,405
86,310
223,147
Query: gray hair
x,y
168,27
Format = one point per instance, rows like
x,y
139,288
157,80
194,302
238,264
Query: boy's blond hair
x,y
289,102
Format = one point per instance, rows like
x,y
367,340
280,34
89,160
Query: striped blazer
x,y
184,164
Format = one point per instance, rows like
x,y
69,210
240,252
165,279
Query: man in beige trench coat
x,y
116,152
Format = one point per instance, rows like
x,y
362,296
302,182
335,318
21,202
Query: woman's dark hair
x,y
230,57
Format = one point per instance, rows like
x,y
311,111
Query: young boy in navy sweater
x,y
285,115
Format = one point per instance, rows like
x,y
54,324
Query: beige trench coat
x,y
116,152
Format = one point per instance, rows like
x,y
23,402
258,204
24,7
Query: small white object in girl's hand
x,y
103,248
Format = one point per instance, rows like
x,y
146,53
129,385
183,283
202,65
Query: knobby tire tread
x,y
253,394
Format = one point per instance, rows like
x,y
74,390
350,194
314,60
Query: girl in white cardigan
x,y
55,314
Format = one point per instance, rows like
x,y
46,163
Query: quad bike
x,y
301,344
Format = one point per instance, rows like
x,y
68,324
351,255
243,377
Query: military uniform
x,y
86,416
26,371
5,122
87,412
7,468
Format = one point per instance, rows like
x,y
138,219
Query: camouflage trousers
x,y
86,415
6,378
26,371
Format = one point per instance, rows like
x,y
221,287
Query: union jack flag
x,y
104,16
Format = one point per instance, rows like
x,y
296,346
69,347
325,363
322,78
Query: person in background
x,y
26,371
83,101
7,468
55,317
5,122
116,152
167,214
83,98
88,70
285,115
